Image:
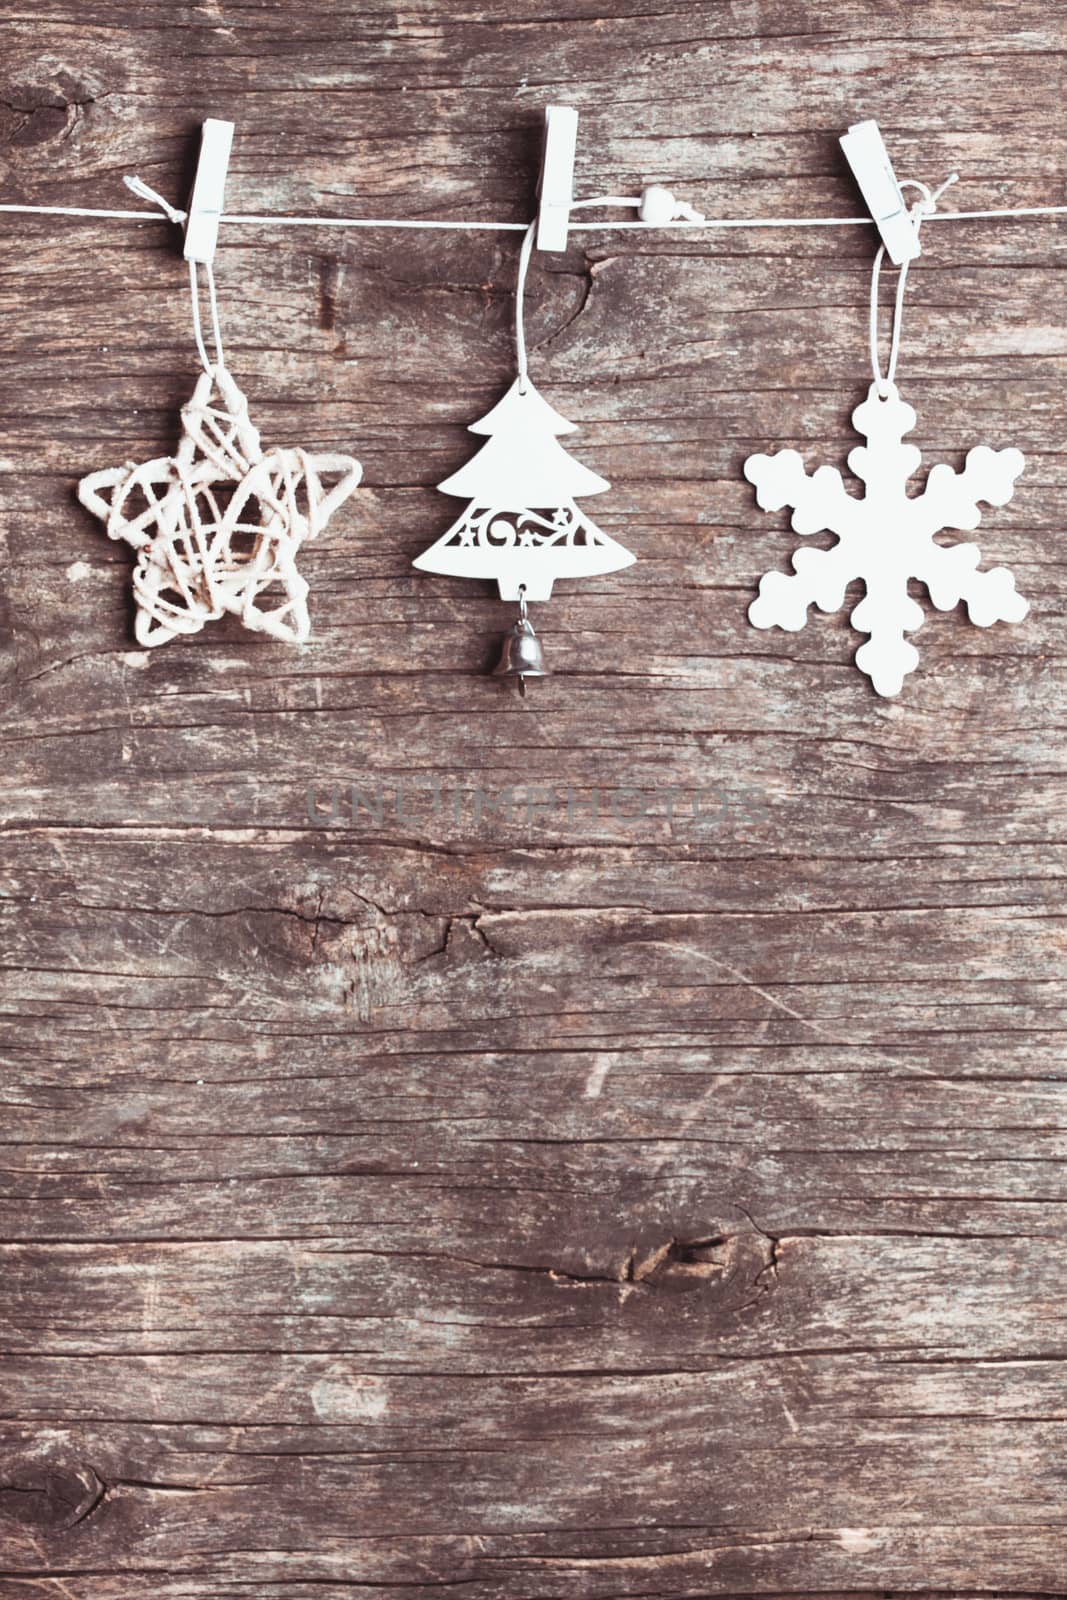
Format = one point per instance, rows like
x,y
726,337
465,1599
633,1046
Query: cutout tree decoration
x,y
522,526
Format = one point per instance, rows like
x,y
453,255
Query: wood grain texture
x,y
650,1187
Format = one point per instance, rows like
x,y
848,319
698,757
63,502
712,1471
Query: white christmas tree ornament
x,y
522,526
217,527
885,538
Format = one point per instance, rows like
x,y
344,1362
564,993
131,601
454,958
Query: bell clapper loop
x,y
522,619
521,655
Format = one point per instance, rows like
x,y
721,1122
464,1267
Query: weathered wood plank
x,y
650,1184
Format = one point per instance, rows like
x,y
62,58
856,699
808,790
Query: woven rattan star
x,y
217,527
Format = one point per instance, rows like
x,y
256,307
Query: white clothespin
x,y
872,169
556,188
205,205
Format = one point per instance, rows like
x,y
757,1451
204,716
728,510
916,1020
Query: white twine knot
x,y
923,207
143,191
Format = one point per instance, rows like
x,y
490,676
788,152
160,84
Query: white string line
x,y
625,201
922,211
925,209
198,332
268,220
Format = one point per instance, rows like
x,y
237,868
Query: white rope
x,y
923,209
274,220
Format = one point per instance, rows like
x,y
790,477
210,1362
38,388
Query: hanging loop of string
x,y
924,207
143,191
198,332
680,211
683,215
520,295
624,202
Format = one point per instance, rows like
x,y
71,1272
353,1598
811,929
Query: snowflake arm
x,y
951,499
951,574
819,578
819,503
887,657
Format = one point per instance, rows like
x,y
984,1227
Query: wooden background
x,y
622,1205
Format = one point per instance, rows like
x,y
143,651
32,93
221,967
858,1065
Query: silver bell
x,y
521,655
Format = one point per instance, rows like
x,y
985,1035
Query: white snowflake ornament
x,y
885,538
217,526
